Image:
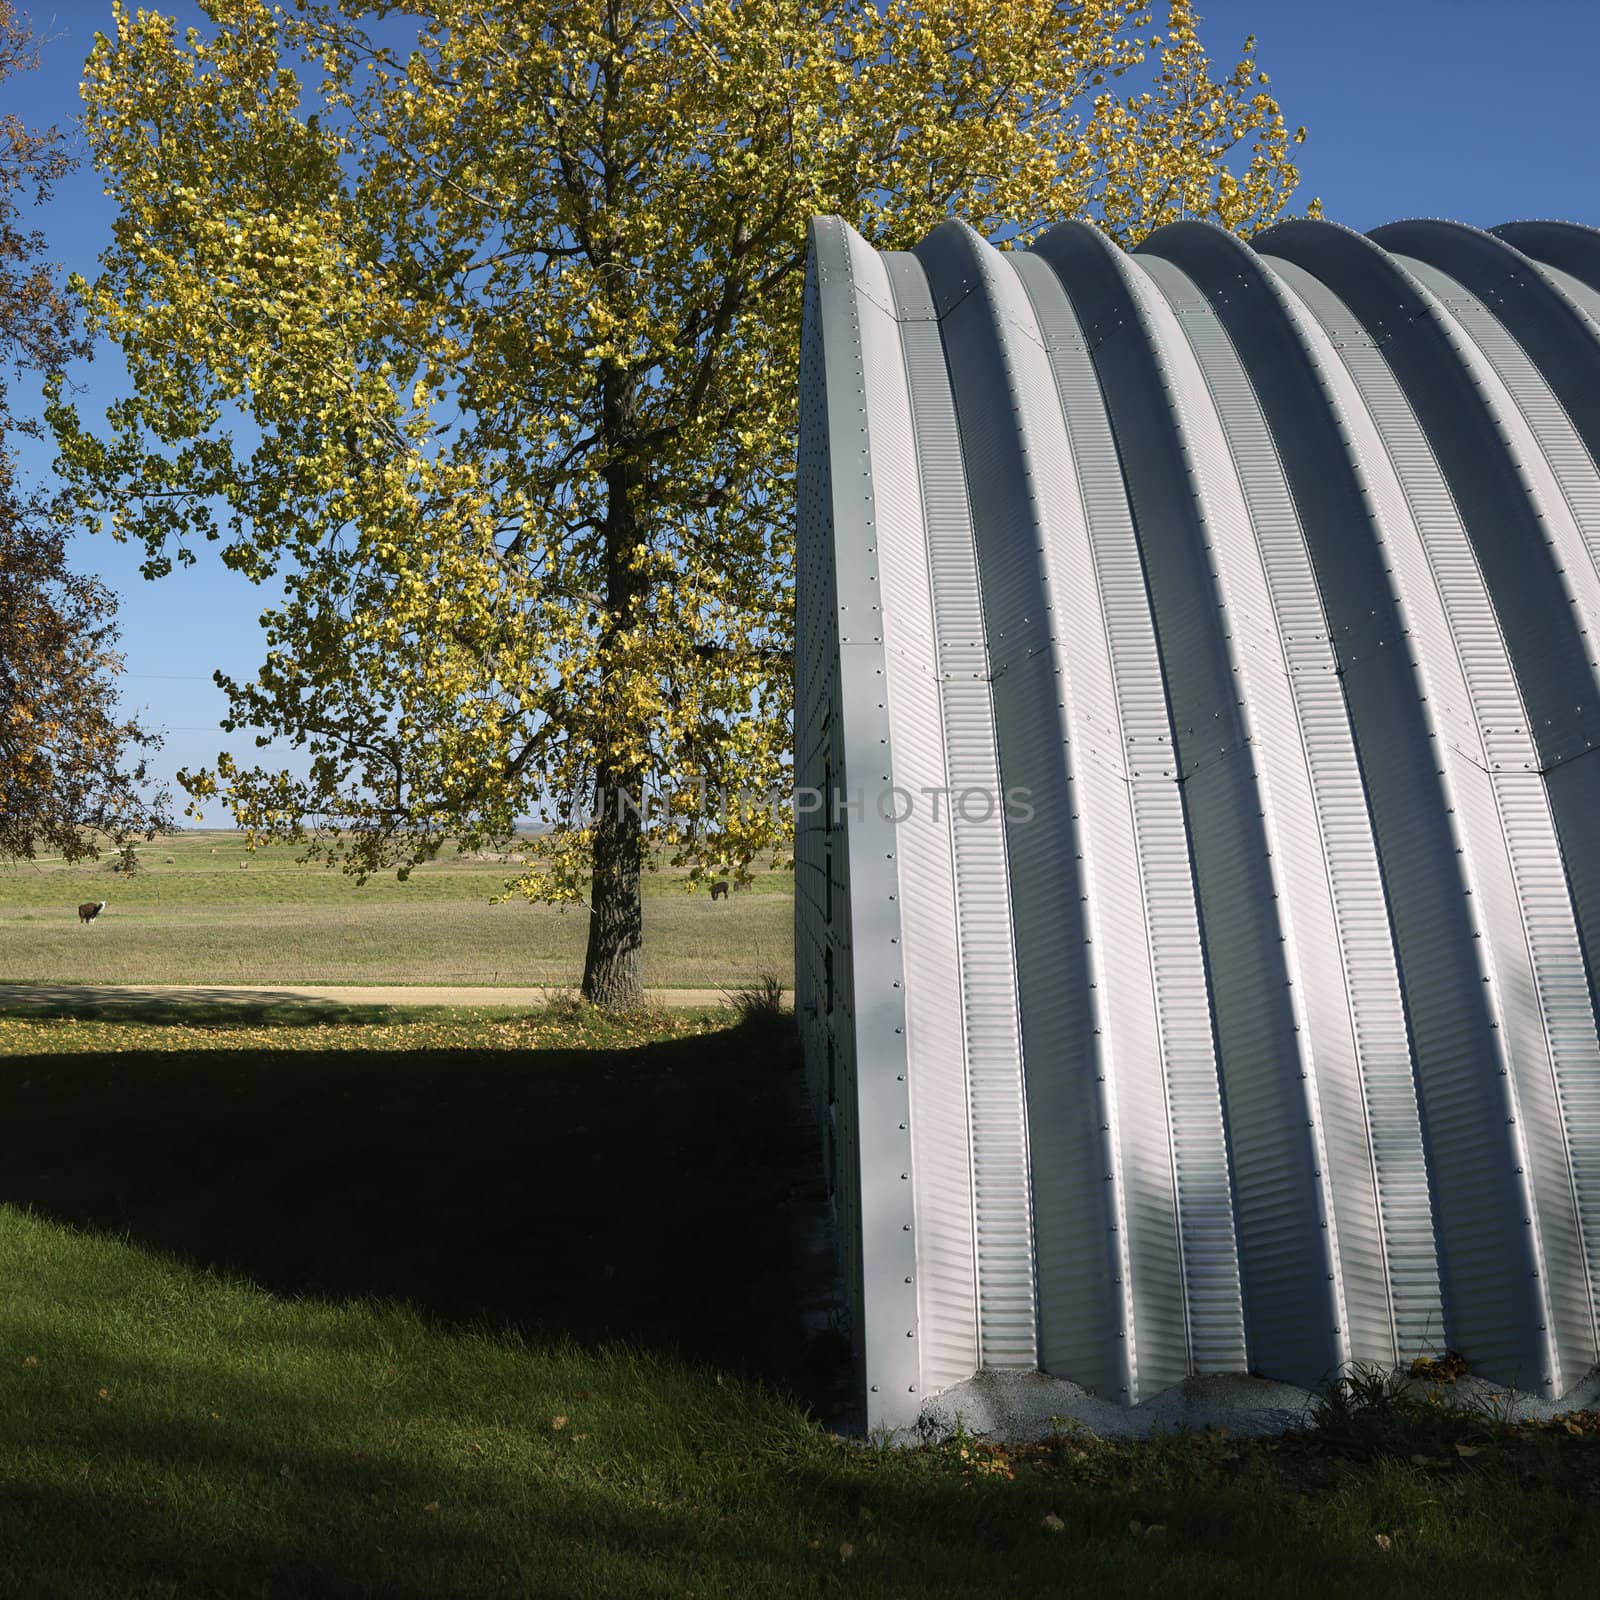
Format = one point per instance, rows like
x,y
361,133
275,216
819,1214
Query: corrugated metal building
x,y
1198,872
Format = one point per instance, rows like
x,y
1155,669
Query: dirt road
x,y
21,996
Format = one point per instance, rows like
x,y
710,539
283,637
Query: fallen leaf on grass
x,y
558,1423
1383,1541
432,1505
30,1361
846,1550
105,1394
1052,1522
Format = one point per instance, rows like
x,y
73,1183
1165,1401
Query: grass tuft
x,y
761,1001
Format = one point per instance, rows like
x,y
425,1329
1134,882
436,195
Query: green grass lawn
x,y
215,915
465,1305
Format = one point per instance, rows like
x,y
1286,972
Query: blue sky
x,y
1479,110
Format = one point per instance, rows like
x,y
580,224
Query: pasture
x,y
351,1304
215,915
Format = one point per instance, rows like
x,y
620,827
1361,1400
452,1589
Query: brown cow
x,y
90,909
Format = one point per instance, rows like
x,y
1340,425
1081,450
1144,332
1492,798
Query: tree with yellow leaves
x,y
483,341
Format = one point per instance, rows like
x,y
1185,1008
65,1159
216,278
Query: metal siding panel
x,y
935,1045
1077,1213
874,1129
1520,931
1359,1035
1464,1065
1251,821
1545,350
987,986
1568,246
1406,698
1515,581
1586,299
1251,591
1182,1247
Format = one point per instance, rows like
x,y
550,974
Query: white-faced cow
x,y
90,909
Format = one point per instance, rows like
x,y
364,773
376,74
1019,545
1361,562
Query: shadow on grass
x,y
654,1194
197,1006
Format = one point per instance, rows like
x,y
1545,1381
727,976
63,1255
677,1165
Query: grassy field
x,y
465,1306
211,914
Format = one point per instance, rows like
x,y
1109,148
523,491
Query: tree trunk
x,y
613,973
613,970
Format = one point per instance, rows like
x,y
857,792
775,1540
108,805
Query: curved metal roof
x,y
1199,646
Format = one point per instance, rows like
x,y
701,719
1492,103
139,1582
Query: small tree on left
x,y
70,773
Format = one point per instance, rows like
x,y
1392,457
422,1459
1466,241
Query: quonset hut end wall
x,y
1198,867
